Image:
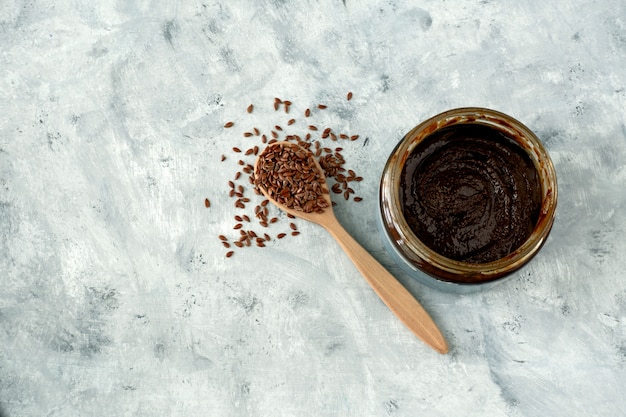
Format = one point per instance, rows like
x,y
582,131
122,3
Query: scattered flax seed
x,y
207,203
331,161
229,253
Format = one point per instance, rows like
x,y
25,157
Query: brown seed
x,y
245,218
281,235
222,237
236,149
226,245
296,233
354,137
357,199
229,253
207,203
238,226
267,237
307,113
349,96
247,134
223,158
229,124
277,127
250,108
238,244
321,106
238,218
311,127
293,226
237,175
291,121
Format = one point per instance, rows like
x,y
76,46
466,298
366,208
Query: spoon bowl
x,y
291,178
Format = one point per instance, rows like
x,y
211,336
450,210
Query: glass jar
x,y
419,260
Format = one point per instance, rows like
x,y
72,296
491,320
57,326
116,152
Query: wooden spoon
x,y
391,292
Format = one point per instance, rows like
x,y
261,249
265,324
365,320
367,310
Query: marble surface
x,y
117,297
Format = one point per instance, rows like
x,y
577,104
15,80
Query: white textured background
x,y
116,296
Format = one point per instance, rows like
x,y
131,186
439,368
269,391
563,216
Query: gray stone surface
x,y
117,298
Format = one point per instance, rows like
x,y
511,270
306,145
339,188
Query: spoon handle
x,y
390,291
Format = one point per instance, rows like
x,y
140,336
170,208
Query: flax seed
x,y
207,203
229,254
250,108
229,125
349,96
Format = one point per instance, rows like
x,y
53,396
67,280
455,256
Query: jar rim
x,y
438,266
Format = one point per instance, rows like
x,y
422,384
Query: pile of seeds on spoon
x,y
253,209
290,177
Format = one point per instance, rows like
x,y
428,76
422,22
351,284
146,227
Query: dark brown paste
x,y
470,193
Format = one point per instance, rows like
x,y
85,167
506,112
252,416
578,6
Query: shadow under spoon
x,y
292,179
